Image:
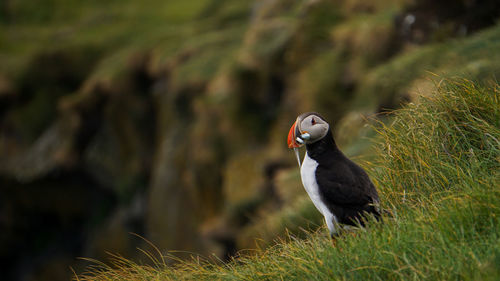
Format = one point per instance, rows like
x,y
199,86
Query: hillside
x,y
437,167
167,119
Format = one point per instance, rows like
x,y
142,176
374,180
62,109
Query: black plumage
x,y
344,187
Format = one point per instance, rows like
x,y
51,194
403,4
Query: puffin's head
x,y
308,128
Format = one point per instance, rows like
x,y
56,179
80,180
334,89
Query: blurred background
x,y
167,119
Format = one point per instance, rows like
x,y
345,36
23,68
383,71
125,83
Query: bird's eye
x,y
313,121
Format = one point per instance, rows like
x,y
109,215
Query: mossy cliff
x,y
168,119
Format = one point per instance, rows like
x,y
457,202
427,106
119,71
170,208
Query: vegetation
x,y
167,119
457,58
437,170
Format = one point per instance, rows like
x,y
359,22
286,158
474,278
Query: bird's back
x,y
344,186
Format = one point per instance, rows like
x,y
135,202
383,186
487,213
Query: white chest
x,y
308,175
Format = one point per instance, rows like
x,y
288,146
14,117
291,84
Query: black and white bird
x,y
340,189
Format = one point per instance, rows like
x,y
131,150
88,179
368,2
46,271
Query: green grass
x,y
113,27
437,170
475,57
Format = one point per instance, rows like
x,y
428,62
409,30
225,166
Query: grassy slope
x,y
437,170
474,57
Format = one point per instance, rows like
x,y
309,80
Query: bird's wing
x,y
345,187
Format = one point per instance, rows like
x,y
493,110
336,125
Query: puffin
x,y
339,188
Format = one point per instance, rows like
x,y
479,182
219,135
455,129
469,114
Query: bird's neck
x,y
325,147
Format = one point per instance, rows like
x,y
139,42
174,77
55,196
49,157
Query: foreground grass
x,y
437,170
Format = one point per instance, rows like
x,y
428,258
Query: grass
x,y
114,26
437,169
464,57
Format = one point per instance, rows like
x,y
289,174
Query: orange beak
x,y
292,137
